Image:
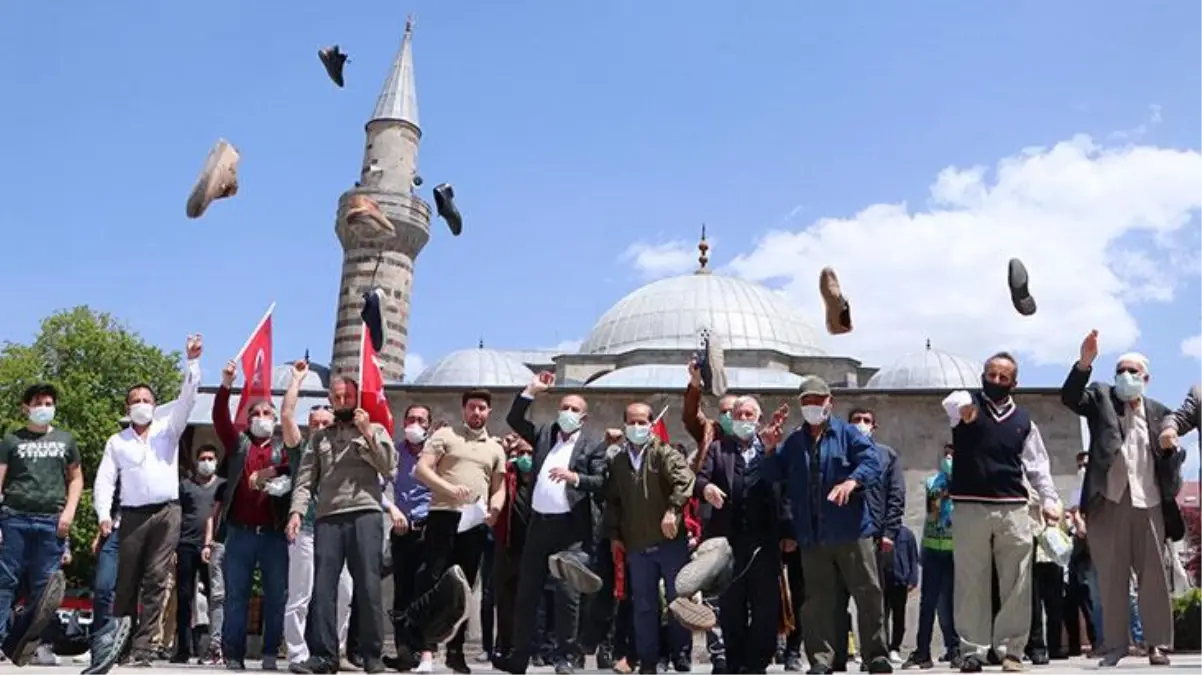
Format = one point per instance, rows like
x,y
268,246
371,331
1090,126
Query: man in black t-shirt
x,y
196,499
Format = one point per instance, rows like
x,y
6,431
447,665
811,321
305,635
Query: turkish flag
x,y
371,384
660,430
256,371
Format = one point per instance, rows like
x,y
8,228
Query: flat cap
x,y
812,385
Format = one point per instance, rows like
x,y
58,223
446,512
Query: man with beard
x,y
250,522
569,468
464,468
997,445
146,459
1128,497
342,470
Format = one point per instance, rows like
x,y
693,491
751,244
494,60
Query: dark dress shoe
x,y
333,59
1020,294
444,203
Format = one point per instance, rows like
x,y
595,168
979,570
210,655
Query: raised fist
x,y
299,369
1089,349
541,383
228,373
193,346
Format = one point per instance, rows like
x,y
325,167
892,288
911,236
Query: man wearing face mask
x,y
649,484
569,468
250,522
342,470
197,496
1128,497
40,484
997,445
826,465
146,458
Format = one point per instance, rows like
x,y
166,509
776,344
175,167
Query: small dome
x,y
669,377
668,313
476,368
928,369
316,379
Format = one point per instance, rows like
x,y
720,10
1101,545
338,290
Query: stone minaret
x,y
389,169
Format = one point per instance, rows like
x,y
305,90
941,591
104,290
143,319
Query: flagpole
x,y
661,414
255,332
359,377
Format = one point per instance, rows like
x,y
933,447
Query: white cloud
x,y
655,261
1153,119
414,365
1192,347
1094,225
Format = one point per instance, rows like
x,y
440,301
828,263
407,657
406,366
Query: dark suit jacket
x,y
588,461
1189,416
1102,411
723,466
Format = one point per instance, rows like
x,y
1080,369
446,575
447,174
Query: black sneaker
x,y
916,660
333,59
682,663
405,659
718,666
605,658
444,204
455,661
313,665
971,664
107,645
373,666
564,667
880,664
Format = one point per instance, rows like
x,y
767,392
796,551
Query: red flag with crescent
x,y
371,384
256,371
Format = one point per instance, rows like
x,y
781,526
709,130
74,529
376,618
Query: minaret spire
x,y
703,248
398,98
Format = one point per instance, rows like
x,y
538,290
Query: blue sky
x,y
587,142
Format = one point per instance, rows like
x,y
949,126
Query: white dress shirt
x,y
148,465
551,497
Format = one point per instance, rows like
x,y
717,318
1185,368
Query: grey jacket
x,y
1188,417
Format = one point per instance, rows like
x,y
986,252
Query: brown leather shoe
x,y
333,60
218,179
838,311
364,212
1157,657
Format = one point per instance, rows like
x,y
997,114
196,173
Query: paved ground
x,y
1181,663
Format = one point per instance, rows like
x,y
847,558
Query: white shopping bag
x,y
1057,545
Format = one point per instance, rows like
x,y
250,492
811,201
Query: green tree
x,y
92,358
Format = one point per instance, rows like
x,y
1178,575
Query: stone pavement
x,y
1181,663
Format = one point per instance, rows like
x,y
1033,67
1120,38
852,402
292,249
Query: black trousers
x,y
797,592
488,597
547,535
895,614
601,608
1078,605
507,563
408,555
355,540
188,566
749,610
1047,595
445,546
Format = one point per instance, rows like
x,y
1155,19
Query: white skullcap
x,y
1135,357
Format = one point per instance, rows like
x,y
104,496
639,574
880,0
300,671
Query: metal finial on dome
x,y
703,247
409,22
928,344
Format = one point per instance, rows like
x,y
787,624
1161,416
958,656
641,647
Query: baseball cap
x,y
812,385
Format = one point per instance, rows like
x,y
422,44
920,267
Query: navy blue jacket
x,y
843,453
905,558
887,499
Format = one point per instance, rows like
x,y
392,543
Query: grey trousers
x,y
985,535
1123,539
822,612
355,540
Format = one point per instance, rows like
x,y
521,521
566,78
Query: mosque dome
x,y
478,367
668,313
928,369
673,376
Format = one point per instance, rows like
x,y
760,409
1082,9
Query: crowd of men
x,y
608,543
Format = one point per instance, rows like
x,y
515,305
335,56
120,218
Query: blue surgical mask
x,y
1128,386
41,415
743,429
726,423
638,434
569,421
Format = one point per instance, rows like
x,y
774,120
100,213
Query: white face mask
x,y
1128,386
41,415
141,413
814,414
865,428
415,434
206,467
743,429
569,421
262,427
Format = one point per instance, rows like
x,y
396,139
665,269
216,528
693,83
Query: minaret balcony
x,y
409,214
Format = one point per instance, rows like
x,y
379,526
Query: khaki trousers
x,y
984,535
852,566
1123,538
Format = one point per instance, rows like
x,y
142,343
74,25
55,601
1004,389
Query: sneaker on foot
x,y
896,657
567,567
218,179
1012,664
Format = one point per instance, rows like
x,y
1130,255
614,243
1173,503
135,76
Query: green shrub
x,y
1187,621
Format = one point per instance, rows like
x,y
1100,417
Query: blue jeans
x,y
246,549
647,568
1137,624
935,599
104,584
30,553
1095,596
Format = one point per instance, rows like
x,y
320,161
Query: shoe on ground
x,y
571,570
702,572
971,664
1012,664
333,59
792,663
44,656
917,661
313,665
1157,657
880,664
896,658
1020,293
270,663
838,310
364,213
373,666
457,663
693,615
25,645
444,204
218,179
107,645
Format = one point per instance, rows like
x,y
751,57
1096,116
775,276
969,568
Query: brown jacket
x,y
703,430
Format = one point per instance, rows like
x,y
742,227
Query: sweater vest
x,y
988,461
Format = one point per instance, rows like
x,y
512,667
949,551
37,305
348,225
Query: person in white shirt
x,y
569,468
146,459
